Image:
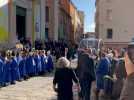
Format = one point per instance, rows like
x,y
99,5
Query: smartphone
x,y
130,52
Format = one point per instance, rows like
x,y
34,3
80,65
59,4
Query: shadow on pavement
x,y
48,75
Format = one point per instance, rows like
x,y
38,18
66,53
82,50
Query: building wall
x,y
35,20
52,7
73,17
97,18
90,34
115,14
81,16
4,21
12,19
56,19
64,20
65,5
77,23
81,27
50,24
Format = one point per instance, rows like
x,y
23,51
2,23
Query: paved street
x,y
37,88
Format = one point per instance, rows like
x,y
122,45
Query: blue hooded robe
x,y
22,68
30,66
49,63
15,73
1,70
37,59
7,72
101,71
18,59
43,63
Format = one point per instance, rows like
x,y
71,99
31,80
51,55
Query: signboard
x,y
3,20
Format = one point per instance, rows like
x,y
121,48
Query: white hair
x,y
63,62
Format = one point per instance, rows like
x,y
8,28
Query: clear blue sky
x,y
88,6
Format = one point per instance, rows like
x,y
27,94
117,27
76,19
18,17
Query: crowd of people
x,y
103,74
106,70
21,65
56,47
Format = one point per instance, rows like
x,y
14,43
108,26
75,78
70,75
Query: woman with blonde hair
x,y
63,79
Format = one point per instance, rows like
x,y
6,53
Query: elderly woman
x,y
64,77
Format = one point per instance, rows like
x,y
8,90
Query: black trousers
x,y
65,95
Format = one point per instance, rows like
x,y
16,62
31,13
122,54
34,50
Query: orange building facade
x,y
63,21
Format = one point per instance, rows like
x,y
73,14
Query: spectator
x,y
85,72
63,79
127,92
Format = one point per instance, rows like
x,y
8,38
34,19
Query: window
x,y
109,33
46,33
47,14
109,14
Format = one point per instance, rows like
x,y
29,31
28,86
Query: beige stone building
x,y
25,19
78,26
114,21
39,19
49,18
81,16
77,23
81,27
90,34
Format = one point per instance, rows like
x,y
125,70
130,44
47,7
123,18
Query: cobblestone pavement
x,y
37,88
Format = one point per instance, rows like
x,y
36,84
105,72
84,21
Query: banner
x,y
3,21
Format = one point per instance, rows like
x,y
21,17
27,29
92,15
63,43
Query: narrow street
x,y
37,88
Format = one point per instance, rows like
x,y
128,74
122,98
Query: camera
x,y
130,51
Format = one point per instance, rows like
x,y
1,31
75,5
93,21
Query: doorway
x,y
20,23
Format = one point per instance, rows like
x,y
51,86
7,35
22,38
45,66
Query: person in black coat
x,y
63,79
85,73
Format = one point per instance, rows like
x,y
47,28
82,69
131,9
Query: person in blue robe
x,y
43,62
1,70
15,73
30,65
7,70
49,62
37,59
101,71
18,58
22,67
2,60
